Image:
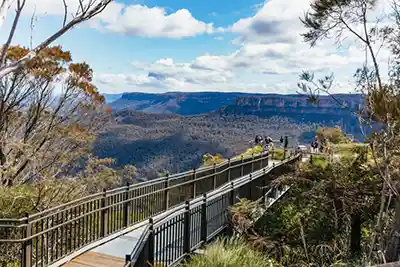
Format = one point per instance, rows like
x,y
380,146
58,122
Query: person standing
x,y
286,142
281,141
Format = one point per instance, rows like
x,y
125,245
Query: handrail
x,y
53,234
133,186
161,223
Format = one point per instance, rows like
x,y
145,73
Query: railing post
x,y
241,167
194,184
215,176
186,229
264,185
103,213
267,159
252,162
229,169
166,192
250,186
204,219
27,245
261,161
232,196
151,243
128,260
126,206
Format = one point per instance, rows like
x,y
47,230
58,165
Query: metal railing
x,y
46,237
169,239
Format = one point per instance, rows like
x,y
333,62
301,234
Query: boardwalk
x,y
114,251
150,221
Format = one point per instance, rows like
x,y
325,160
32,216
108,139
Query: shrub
x,y
277,154
231,252
333,135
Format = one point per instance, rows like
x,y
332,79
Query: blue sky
x,y
193,45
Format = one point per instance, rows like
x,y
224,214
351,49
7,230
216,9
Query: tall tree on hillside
x,y
352,18
75,12
42,134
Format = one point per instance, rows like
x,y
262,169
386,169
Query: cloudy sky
x,y
194,45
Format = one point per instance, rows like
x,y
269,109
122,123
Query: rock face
x,y
327,109
326,112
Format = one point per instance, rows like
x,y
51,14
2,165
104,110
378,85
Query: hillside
x,y
158,142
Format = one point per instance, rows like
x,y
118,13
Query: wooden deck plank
x,y
93,259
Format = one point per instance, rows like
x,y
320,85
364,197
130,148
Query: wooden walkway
x,y
93,259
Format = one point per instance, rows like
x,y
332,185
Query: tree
x,y
333,135
80,11
42,134
351,18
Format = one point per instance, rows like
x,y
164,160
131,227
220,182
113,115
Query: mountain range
x,y
172,131
296,107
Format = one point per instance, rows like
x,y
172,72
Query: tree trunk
x,y
393,249
355,242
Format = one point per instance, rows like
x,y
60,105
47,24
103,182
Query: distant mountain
x,y
111,97
176,102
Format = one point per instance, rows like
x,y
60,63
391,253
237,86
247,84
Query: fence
x,y
168,240
44,238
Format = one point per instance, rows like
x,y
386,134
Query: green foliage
x,y
231,252
278,153
312,224
209,159
321,161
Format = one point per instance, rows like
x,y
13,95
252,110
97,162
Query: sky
x,y
194,45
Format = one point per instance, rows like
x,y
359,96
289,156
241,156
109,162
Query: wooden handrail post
x,y
186,229
126,206
241,167
27,245
215,176
194,184
103,214
166,192
229,169
261,161
151,242
204,219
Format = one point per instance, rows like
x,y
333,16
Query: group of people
x,y
266,142
318,145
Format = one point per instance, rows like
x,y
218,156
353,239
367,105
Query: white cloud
x,y
134,20
269,58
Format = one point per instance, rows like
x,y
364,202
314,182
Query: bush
x,y
333,135
231,252
277,154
